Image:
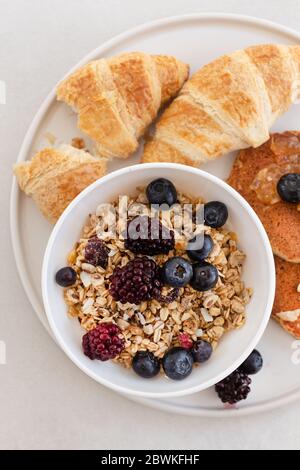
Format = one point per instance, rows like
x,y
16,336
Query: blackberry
x,y
103,342
137,281
234,388
96,252
147,236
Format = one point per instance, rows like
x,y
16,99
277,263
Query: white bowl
x,y
259,273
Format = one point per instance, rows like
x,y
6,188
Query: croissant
x,y
228,104
118,98
54,177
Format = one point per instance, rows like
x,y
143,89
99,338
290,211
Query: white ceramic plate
x,y
196,39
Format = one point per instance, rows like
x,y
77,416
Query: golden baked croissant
x,y
54,177
118,98
228,104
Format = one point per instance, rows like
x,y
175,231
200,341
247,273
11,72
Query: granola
x,y
151,325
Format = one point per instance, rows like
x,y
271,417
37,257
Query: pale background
x,y
45,401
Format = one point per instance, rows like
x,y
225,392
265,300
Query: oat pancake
x,y
286,309
255,174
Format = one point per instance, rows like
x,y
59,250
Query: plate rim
x,y
23,153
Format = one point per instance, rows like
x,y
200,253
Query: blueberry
x,y
161,191
177,272
201,350
253,364
205,276
288,187
66,277
178,363
145,364
215,214
199,248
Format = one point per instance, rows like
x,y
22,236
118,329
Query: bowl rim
x,y
269,260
